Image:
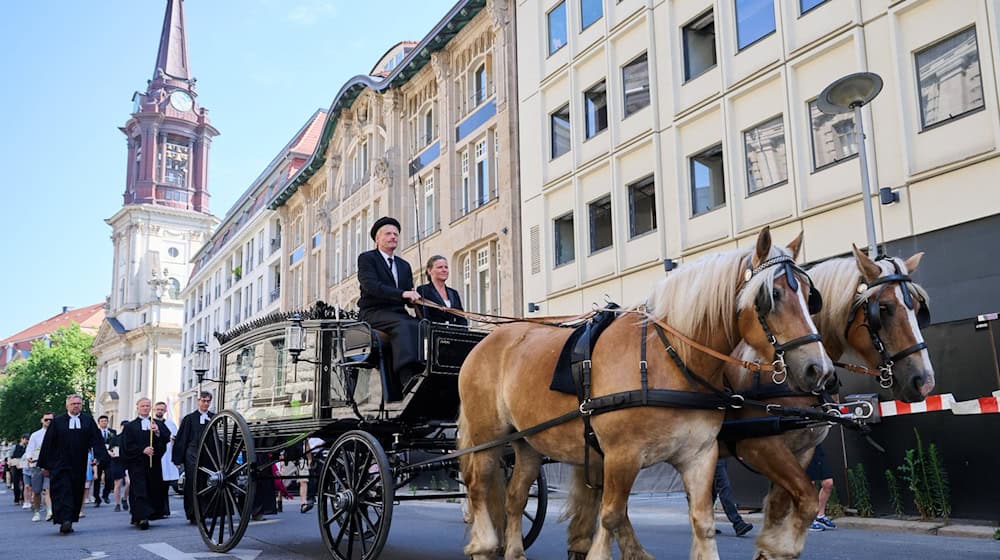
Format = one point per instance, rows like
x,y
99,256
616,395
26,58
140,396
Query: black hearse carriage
x,y
290,377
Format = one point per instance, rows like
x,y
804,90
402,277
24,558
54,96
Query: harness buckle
x,y
885,376
584,410
779,373
586,364
737,397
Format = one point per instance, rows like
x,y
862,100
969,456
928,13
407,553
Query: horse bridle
x,y
873,318
815,304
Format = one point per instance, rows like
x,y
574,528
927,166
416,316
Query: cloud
x,y
308,12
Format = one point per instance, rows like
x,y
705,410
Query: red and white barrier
x,y
933,403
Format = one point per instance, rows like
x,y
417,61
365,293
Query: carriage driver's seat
x,y
366,347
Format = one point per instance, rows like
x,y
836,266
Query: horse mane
x,y
838,279
703,296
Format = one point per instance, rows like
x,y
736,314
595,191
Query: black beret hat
x,y
384,221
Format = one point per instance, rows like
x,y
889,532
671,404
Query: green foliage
x,y
996,534
41,383
926,478
857,482
895,497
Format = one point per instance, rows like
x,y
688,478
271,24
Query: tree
x,y
41,383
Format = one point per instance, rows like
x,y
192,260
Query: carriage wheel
x,y
356,494
224,481
534,510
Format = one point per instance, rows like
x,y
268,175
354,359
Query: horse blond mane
x,y
838,280
703,296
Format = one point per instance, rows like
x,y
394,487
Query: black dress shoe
x,y
743,529
66,527
143,525
107,500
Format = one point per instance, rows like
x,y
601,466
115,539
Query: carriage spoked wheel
x,y
224,481
534,510
356,491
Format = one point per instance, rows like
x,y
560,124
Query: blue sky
x,y
69,69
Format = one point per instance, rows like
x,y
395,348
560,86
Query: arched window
x,y
174,288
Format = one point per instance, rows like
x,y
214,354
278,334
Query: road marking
x,y
164,550
96,555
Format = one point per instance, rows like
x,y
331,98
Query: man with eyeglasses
x,y
39,481
64,457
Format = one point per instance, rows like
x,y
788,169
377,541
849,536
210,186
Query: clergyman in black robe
x,y
144,441
185,450
64,455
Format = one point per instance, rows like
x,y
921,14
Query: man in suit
x,y
108,435
63,458
386,288
185,451
144,443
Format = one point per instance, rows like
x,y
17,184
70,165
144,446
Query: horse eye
x,y
776,294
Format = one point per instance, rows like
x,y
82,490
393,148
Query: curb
x,y
893,525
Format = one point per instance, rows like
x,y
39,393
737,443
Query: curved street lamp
x,y
851,93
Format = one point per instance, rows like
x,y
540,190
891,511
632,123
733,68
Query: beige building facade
x,y
428,136
665,129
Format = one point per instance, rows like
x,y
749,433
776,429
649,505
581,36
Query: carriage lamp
x,y
295,338
201,361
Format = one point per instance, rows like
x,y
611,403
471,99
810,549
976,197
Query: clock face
x,y
181,101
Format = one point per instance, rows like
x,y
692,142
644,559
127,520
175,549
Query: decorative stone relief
x,y
382,172
499,12
439,63
323,218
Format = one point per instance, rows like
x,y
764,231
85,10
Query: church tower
x,y
163,222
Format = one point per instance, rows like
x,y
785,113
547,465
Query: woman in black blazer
x,y
435,290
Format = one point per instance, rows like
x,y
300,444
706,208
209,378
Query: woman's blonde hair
x,y
430,265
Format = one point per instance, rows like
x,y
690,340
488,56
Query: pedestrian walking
x,y
722,489
39,480
819,471
14,467
63,458
102,481
116,470
170,472
145,441
185,448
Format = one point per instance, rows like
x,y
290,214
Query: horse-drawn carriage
x,y
293,377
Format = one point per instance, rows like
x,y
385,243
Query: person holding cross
x,y
144,443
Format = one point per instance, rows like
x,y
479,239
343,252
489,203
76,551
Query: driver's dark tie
x,y
392,272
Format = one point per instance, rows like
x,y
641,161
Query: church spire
x,y
172,58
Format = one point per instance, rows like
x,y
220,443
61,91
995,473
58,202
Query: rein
x,y
491,319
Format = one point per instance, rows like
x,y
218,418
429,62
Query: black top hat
x,y
383,221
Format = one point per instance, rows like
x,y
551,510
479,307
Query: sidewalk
x,y
673,507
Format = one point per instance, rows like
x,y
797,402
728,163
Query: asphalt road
x,y
426,531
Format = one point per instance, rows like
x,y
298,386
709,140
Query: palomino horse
x,y
857,290
504,386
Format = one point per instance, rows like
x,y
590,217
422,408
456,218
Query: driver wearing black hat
x,y
386,288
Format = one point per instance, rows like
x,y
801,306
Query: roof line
x,y
457,17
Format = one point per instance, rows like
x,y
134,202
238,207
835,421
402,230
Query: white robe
x,y
170,471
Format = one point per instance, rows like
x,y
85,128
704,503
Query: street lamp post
x,y
851,93
159,286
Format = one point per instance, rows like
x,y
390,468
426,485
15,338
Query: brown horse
x,y
791,503
504,386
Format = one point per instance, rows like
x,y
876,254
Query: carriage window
x,y
949,78
708,189
262,383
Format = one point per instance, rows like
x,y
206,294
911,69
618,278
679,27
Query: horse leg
x,y
791,503
698,475
620,470
527,462
582,507
482,473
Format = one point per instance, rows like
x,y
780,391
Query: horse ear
x,y
795,245
869,270
763,244
913,262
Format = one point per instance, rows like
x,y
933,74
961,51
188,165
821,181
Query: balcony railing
x,y
478,97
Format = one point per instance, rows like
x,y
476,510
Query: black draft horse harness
x,y
873,319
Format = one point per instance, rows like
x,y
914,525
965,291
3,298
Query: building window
x,y
806,5
708,189
600,223
754,21
428,127
173,252
765,149
833,138
595,106
949,78
635,80
466,192
699,45
557,27
590,11
565,251
467,280
430,219
483,279
560,130
641,207
481,85
137,388
176,166
174,288
482,173
496,165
